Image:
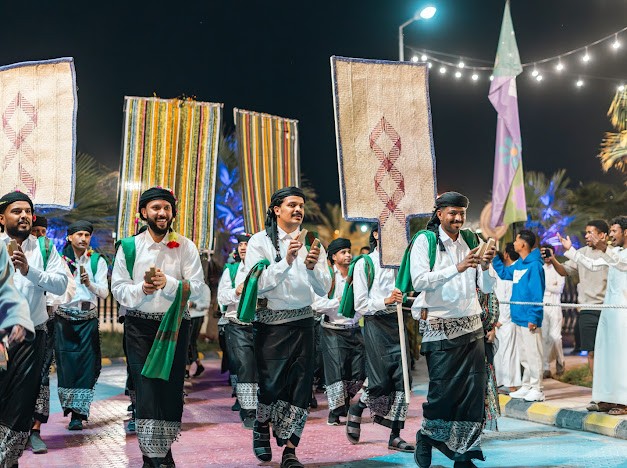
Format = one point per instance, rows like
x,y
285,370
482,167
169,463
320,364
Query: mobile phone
x,y
546,253
302,236
82,270
485,247
12,247
315,243
149,274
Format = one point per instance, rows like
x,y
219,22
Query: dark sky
x,y
274,57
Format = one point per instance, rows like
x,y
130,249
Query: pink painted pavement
x,y
212,434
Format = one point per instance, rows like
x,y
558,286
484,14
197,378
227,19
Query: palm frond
x,y
614,151
618,111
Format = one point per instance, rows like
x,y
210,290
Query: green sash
x,y
403,279
347,304
232,267
45,247
159,361
130,252
248,302
332,290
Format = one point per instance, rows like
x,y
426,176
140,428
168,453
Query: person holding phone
x,y
77,338
553,317
527,275
38,270
290,272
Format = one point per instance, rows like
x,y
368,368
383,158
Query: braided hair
x,y
271,225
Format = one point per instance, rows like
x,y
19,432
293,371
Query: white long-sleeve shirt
x,y
330,306
179,263
98,287
370,302
553,284
446,293
13,307
287,287
226,291
54,301
611,257
38,282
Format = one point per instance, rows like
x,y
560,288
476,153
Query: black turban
x,y
157,193
40,221
338,244
451,199
276,200
446,199
80,226
242,237
13,197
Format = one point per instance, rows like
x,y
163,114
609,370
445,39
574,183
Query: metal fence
x,y
108,315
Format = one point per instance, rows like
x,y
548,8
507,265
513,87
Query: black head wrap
x,y
277,200
444,200
243,237
80,226
157,193
40,221
336,245
13,197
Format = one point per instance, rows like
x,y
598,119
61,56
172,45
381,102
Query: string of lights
x,y
477,70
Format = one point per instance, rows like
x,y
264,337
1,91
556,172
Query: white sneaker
x,y
534,395
520,393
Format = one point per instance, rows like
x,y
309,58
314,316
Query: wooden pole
x,y
401,335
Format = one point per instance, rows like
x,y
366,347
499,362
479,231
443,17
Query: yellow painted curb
x,y
601,423
106,361
541,412
201,356
504,399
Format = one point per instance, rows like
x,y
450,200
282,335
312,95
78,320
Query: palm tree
x,y
548,211
94,200
614,145
596,200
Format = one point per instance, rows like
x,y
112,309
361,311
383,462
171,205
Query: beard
x,y
152,224
17,233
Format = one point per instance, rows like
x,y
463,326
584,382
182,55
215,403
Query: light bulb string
x,y
466,59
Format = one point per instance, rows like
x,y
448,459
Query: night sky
x,y
274,57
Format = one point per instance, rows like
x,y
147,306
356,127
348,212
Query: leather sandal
x,y
400,445
353,428
618,411
289,460
261,442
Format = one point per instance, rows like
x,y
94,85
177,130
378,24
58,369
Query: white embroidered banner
x,y
385,150
38,131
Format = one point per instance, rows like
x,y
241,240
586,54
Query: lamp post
x,y
425,13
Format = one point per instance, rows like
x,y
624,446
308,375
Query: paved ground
x,y
212,436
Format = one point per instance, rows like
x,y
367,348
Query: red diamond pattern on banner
x,y
17,137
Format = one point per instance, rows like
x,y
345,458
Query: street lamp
x,y
425,13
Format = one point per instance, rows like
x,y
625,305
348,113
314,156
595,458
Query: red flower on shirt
x,y
173,240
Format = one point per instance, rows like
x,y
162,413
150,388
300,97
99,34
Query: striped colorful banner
x,y
171,143
269,160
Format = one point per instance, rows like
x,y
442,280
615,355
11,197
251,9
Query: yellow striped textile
x,y
170,143
269,160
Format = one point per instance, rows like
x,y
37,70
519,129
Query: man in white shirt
x,y
154,276
453,337
239,335
553,317
609,381
342,342
77,338
284,331
385,393
506,358
38,270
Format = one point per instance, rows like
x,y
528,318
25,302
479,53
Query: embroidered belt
x,y
391,309
41,327
277,317
339,326
236,321
157,316
72,313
